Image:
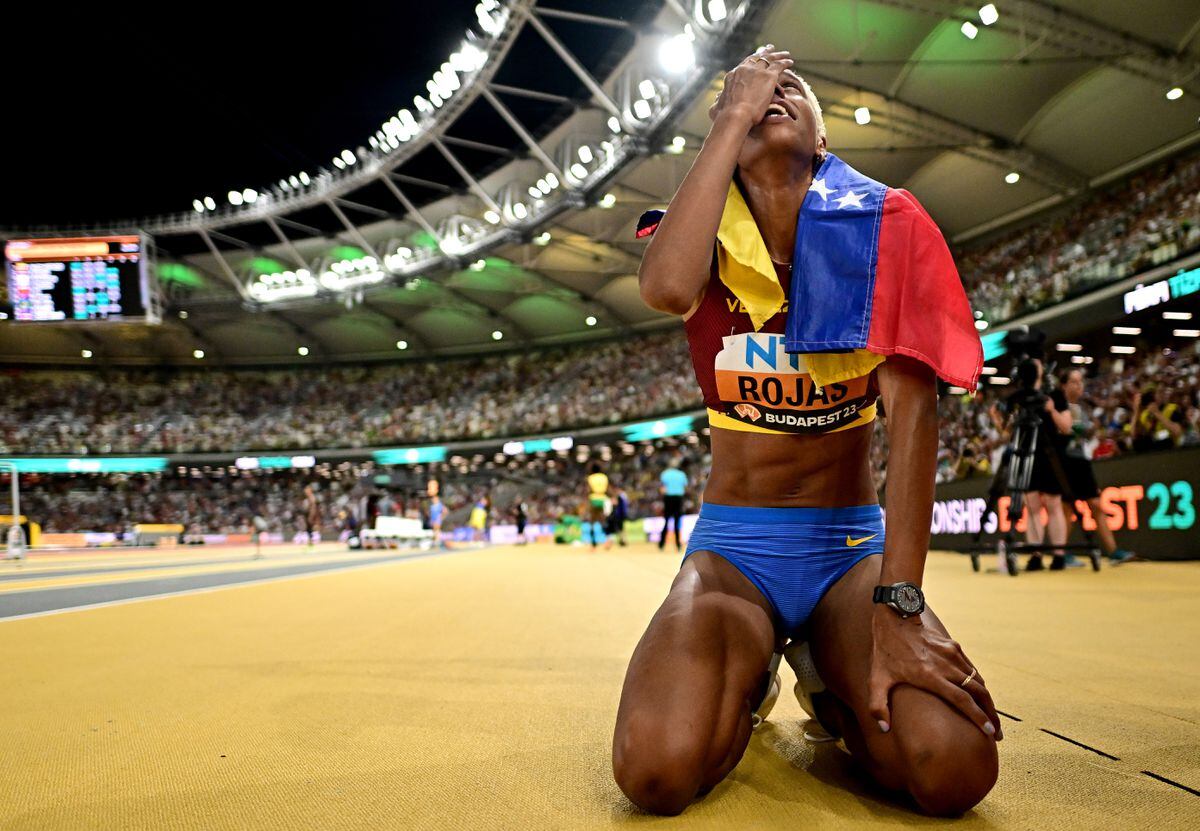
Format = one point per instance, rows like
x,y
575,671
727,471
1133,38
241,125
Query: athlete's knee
x,y
952,766
657,772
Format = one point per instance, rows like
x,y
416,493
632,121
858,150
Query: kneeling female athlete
x,y
790,542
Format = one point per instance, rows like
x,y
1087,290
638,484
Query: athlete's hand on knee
x,y
750,86
905,651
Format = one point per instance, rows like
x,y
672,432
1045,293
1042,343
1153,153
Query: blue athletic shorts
x,y
792,555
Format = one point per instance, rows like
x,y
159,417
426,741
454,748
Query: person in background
x,y
674,483
1157,422
597,485
522,518
1078,467
437,512
618,515
478,519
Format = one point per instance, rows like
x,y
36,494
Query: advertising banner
x,y
1148,500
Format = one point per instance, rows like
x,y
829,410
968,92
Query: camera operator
x,y
1045,488
1078,467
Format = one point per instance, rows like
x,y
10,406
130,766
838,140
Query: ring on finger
x,y
761,58
969,678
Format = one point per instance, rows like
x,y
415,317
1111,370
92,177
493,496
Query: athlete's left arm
x,y
904,650
909,391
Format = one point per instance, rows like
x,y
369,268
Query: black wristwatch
x,y
906,598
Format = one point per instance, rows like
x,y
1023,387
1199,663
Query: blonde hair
x,y
816,107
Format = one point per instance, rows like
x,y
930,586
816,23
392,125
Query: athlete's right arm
x,y
675,265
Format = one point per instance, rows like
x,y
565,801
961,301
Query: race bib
x,y
760,384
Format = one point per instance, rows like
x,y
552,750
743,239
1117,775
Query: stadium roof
x,y
1067,96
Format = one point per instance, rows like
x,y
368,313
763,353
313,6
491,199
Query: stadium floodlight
x,y
999,380
235,198
534,191
969,29
1126,330
1186,333
402,345
478,265
679,142
302,351
198,206
492,217
304,179
590,320
646,88
716,10
85,353
1177,315
338,163
1082,359
1122,350
497,334
210,203
183,314
552,181
249,196
348,157
607,200
450,245
988,14
519,210
585,154
542,238
677,54
1069,347
1012,177
988,370
1174,93
862,115
198,354
614,124
579,171
981,325
641,108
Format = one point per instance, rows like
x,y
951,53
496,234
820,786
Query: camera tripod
x,y
1013,477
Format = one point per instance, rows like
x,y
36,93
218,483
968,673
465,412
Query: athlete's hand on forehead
x,y
750,86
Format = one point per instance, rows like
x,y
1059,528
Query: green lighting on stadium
x,y
662,428
265,265
424,239
99,464
343,252
179,273
409,455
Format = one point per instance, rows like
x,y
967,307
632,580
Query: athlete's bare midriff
x,y
791,471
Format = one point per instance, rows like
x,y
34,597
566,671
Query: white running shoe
x,y
764,708
808,684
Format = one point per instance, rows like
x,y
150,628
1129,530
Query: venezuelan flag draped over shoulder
x,y
871,271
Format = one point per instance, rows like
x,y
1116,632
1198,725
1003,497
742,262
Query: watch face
x,y
908,598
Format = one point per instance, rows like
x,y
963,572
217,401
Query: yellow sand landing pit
x,y
477,690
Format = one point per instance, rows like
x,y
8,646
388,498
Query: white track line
x,y
235,585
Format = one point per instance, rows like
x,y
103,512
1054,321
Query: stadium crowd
x,y
1158,392
1151,218
1127,404
81,413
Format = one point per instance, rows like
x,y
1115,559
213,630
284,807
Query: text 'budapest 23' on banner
x,y
1148,500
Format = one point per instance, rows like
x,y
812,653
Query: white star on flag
x,y
820,187
850,199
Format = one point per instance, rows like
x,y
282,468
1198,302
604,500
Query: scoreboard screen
x,y
79,279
